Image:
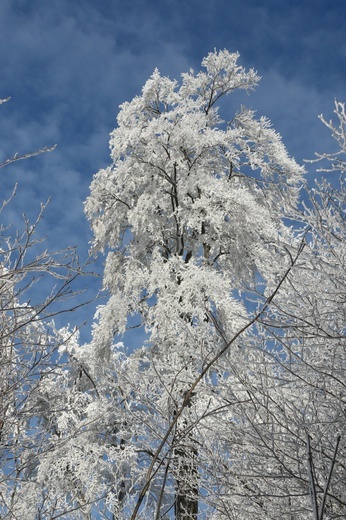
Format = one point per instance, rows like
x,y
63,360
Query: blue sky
x,y
67,66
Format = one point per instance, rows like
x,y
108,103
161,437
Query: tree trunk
x,y
186,495
186,501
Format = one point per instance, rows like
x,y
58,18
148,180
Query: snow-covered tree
x,y
35,285
292,445
312,311
191,213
